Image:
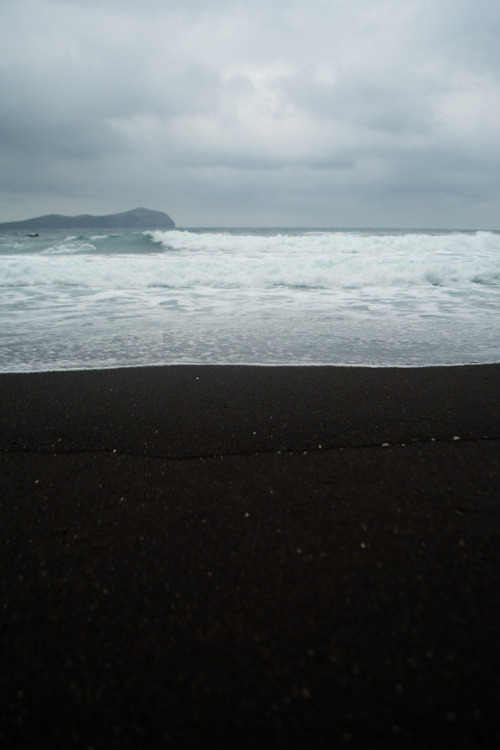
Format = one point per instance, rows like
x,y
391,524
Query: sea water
x,y
379,298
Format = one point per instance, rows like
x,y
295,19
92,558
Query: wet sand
x,y
250,557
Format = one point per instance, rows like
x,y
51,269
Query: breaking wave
x,y
248,296
228,260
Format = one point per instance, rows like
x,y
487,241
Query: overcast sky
x,y
361,113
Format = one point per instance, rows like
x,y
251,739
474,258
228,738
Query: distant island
x,y
138,218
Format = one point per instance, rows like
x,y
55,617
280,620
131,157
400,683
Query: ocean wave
x,y
255,296
308,273
310,261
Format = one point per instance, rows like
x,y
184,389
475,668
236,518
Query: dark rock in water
x,y
33,234
138,218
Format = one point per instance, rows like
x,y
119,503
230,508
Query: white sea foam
x,y
223,260
249,296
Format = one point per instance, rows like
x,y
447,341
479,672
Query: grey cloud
x,y
368,104
236,108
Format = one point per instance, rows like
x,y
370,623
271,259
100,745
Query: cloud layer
x,y
245,112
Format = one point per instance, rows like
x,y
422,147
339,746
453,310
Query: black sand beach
x,y
238,557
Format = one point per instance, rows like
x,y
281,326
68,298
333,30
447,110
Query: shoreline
x,y
250,556
368,366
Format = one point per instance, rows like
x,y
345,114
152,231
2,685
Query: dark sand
x,y
230,557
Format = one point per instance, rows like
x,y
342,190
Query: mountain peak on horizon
x,y
136,218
